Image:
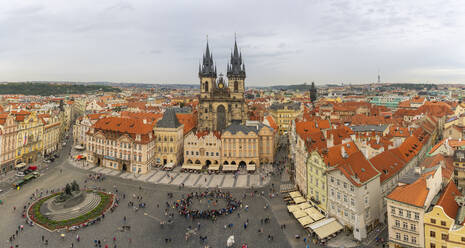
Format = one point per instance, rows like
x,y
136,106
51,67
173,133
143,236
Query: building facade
x,y
29,143
202,148
122,144
221,103
8,131
169,136
284,114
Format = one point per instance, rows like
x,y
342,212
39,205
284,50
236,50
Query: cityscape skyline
x,y
281,43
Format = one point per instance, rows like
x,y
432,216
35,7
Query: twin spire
x,y
235,67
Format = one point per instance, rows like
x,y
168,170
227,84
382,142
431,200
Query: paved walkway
x,y
177,178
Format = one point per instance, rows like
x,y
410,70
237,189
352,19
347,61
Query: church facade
x,y
221,101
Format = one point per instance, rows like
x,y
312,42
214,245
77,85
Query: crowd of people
x,y
184,206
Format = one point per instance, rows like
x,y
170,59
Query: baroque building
x,y
221,103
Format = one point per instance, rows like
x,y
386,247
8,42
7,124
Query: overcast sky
x,y
282,42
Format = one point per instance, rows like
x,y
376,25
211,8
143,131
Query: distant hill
x,y
48,89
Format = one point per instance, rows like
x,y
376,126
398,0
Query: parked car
x,y
47,161
20,174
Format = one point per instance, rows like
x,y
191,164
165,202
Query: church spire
x,y
236,68
208,68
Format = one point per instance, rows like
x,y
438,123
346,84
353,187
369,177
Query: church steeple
x,y
235,66
208,68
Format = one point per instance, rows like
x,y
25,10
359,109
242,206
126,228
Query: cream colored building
x,y
122,144
246,146
317,185
169,135
51,138
8,131
202,148
406,207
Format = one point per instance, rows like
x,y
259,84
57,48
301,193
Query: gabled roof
x,y
447,200
414,194
388,164
123,125
355,167
169,120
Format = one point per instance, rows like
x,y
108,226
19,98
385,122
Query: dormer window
x,y
138,137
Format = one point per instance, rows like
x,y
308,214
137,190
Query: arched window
x,y
236,86
206,86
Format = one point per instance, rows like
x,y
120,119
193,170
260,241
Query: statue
x,y
68,189
74,186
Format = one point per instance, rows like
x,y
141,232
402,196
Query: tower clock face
x,y
221,85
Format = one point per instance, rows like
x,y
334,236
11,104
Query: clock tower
x,y
221,102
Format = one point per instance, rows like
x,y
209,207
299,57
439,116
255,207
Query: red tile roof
x,y
388,164
414,194
123,125
447,200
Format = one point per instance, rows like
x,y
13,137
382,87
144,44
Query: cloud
x,y
163,41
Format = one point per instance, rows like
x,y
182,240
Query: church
x,y
221,101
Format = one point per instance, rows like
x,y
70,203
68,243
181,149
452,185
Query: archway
x,y
225,162
197,161
125,167
252,162
220,117
189,161
98,161
208,162
165,161
233,162
216,162
242,164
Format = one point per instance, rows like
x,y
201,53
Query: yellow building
x,y
444,223
169,137
51,140
284,114
317,187
29,144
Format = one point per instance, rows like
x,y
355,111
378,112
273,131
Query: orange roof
x,y
123,125
150,117
414,194
356,168
447,200
189,120
388,164
408,149
201,134
272,123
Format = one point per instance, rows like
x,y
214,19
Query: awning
x,y
299,214
304,205
169,165
20,165
299,200
214,167
192,166
314,213
325,228
250,167
33,167
295,194
79,147
230,167
304,221
293,208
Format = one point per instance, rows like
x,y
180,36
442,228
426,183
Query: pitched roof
x,y
169,120
414,194
447,200
388,164
123,125
355,167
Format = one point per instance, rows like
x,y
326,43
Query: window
x,y
352,188
433,221
414,239
413,227
432,245
443,223
409,214
187,152
463,239
405,225
332,179
338,195
432,234
401,212
397,223
417,216
398,236
444,236
345,185
405,237
393,210
352,202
